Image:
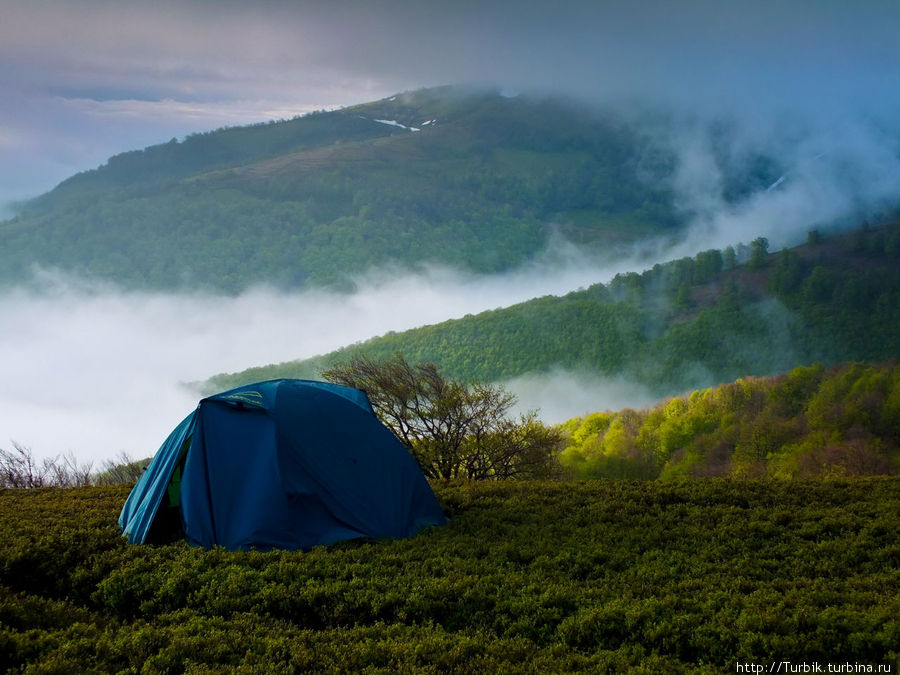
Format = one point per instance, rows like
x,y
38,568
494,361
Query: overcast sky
x,y
83,80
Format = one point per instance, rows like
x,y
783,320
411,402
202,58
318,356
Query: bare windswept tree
x,y
65,471
452,429
19,469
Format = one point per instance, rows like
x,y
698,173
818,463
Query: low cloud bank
x,y
95,369
825,173
561,395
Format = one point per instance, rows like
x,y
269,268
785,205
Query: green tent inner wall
x,y
287,464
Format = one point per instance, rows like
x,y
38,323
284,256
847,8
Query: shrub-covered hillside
x,y
603,576
807,423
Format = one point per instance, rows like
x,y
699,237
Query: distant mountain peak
x,y
463,176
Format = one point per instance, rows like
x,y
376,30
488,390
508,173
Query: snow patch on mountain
x,y
395,123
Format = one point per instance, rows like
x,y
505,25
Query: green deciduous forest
x,y
808,423
317,199
683,325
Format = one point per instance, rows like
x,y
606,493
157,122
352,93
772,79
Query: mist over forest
x,y
81,335
84,334
75,341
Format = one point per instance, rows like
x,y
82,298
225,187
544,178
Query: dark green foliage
x,y
729,257
606,576
676,327
759,250
326,196
807,423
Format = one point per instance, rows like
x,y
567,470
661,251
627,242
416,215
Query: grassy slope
x,y
311,199
831,301
603,576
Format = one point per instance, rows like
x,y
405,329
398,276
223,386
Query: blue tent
x,y
281,464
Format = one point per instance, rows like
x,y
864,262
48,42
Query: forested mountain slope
x,y
808,423
679,326
471,179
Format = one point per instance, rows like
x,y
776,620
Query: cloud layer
x,y
96,370
83,81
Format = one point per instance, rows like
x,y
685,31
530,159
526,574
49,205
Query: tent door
x,y
167,525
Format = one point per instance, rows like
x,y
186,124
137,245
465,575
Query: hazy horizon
x,y
83,82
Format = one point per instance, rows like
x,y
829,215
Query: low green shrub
x,y
601,576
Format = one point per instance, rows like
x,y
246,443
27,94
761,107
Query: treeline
x,y
20,469
683,325
321,198
808,423
600,576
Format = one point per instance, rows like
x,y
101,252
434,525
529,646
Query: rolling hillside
x,y
688,324
595,576
468,178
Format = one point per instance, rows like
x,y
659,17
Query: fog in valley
x,y
96,370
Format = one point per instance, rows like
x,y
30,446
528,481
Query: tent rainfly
x,y
287,464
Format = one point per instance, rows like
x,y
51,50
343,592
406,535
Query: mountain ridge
x,y
300,202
